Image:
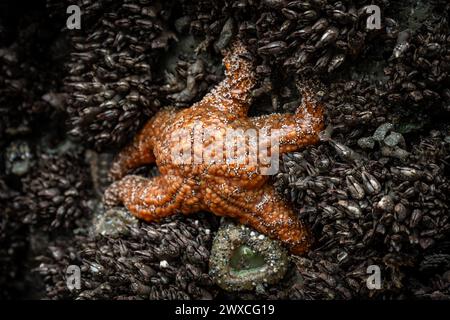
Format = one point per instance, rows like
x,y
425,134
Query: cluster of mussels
x,y
12,244
316,36
374,191
291,38
55,193
30,61
114,82
367,208
111,70
24,81
147,261
418,73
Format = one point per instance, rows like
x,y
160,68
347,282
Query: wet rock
x,y
394,139
366,142
19,158
115,222
382,131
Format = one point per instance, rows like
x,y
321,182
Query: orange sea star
x,y
235,189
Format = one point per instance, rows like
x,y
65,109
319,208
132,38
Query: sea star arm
x,y
232,96
140,151
265,211
149,199
293,131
